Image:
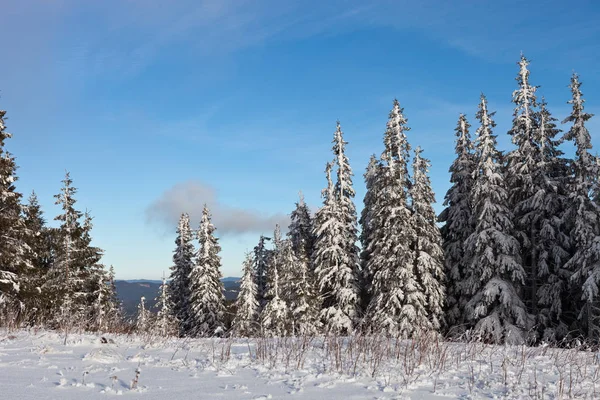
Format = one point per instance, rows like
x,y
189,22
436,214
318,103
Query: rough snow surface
x,y
40,366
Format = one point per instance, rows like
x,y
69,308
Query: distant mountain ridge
x,y
130,291
157,281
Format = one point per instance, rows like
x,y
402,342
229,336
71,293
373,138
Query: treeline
x,y
516,260
514,256
50,277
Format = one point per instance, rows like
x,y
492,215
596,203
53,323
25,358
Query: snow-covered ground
x,y
39,366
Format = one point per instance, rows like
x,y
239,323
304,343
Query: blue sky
x,y
156,107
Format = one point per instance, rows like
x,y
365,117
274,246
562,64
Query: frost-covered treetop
x,y
577,100
484,133
209,245
585,164
395,141
344,189
3,134
301,199
578,117
463,144
277,235
422,195
524,99
183,227
328,192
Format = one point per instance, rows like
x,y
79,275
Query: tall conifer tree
x,y
245,322
551,243
398,302
344,193
13,251
303,302
166,324
262,260
495,274
207,301
183,262
275,317
367,220
427,243
458,220
67,279
583,218
334,270
39,239
524,183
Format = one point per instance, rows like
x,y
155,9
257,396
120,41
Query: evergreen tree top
x,y
525,100
277,235
395,141
586,167
577,101
486,140
209,246
300,202
184,231
547,133
33,211
464,144
260,247
300,228
328,193
371,166
371,173
421,192
67,202
8,168
343,187
3,134
578,117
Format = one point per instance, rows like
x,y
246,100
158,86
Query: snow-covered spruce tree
x,y
344,192
262,260
523,181
303,299
334,267
295,289
207,301
102,308
165,323
552,242
458,225
38,238
14,251
367,217
275,316
115,310
179,286
60,283
583,219
143,318
398,305
427,243
494,274
96,279
70,280
38,235
300,230
245,323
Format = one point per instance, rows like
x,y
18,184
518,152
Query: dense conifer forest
x,y
514,257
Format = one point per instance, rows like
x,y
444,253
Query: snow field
x,y
40,366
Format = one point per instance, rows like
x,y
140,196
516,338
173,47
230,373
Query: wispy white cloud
x,y
190,197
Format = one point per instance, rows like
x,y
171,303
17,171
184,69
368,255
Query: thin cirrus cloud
x,y
190,197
